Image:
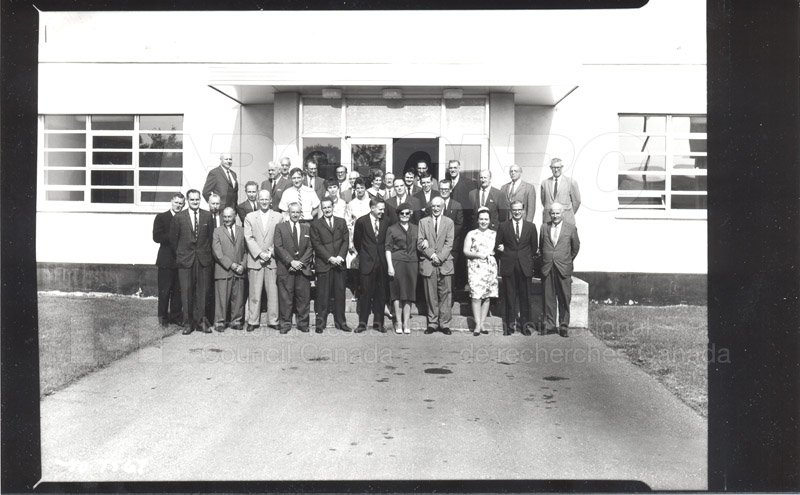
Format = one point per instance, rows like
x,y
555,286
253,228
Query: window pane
x,y
642,163
157,159
65,140
469,155
64,195
367,156
112,158
641,182
65,122
65,177
64,159
112,195
690,162
689,146
112,122
327,152
159,178
112,177
157,197
161,122
161,141
693,123
689,202
642,144
641,201
637,124
112,142
689,183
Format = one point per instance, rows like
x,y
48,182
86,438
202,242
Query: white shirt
x,y
554,232
310,200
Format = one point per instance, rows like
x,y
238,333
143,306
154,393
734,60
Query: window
x,y
663,162
111,159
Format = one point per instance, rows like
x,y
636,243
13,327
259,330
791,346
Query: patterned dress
x,y
482,274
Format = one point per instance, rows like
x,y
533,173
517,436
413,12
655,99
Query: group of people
x,y
388,233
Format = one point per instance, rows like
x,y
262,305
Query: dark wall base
x,y
86,277
647,288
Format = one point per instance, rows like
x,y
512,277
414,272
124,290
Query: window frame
x,y
86,205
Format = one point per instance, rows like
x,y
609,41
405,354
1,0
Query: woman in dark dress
x,y
403,263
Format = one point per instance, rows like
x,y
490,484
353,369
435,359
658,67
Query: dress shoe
x,y
361,328
429,330
204,329
304,330
163,322
188,330
550,331
219,328
284,331
476,333
274,327
250,327
445,331
318,330
379,328
563,332
525,331
238,326
345,328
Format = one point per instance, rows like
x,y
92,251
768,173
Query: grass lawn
x,y
669,343
80,334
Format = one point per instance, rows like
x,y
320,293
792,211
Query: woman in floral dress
x,y
481,269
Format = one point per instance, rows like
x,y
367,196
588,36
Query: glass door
x,y
471,152
368,153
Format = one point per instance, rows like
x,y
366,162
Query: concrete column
x,y
286,132
501,136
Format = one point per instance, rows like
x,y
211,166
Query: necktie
x,y
272,183
300,201
196,222
216,219
330,223
483,197
555,189
253,206
511,189
294,232
376,228
436,225
228,174
516,229
232,237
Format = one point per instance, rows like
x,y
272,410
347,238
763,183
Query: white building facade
x,y
135,106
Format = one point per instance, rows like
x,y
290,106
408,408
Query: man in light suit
x,y
560,245
435,245
294,255
560,189
517,190
169,288
330,240
369,237
222,180
517,242
228,247
487,196
190,235
250,204
311,180
259,234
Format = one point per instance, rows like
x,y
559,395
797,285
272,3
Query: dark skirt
x,y
403,286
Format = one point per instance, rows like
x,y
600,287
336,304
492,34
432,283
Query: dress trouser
x,y
295,295
268,279
373,296
169,295
439,298
229,294
195,282
330,283
517,309
557,296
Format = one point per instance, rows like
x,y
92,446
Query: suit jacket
x,y
287,249
258,239
281,185
440,243
228,251
568,195
462,189
492,202
217,181
391,209
186,247
371,249
515,252
526,193
319,186
455,212
245,207
434,183
414,189
214,218
563,252
166,253
329,242
424,206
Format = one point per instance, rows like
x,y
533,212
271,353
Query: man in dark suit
x,y
222,180
190,234
425,196
228,247
560,245
401,196
517,190
410,181
330,240
294,255
422,169
462,186
276,183
487,196
517,241
216,221
250,204
311,180
369,236
453,210
169,289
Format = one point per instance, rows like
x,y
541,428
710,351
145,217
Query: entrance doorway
x,y
407,152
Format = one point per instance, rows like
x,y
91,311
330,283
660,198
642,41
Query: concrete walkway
x,y
260,406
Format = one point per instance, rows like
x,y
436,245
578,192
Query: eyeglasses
x,y
516,211
405,213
